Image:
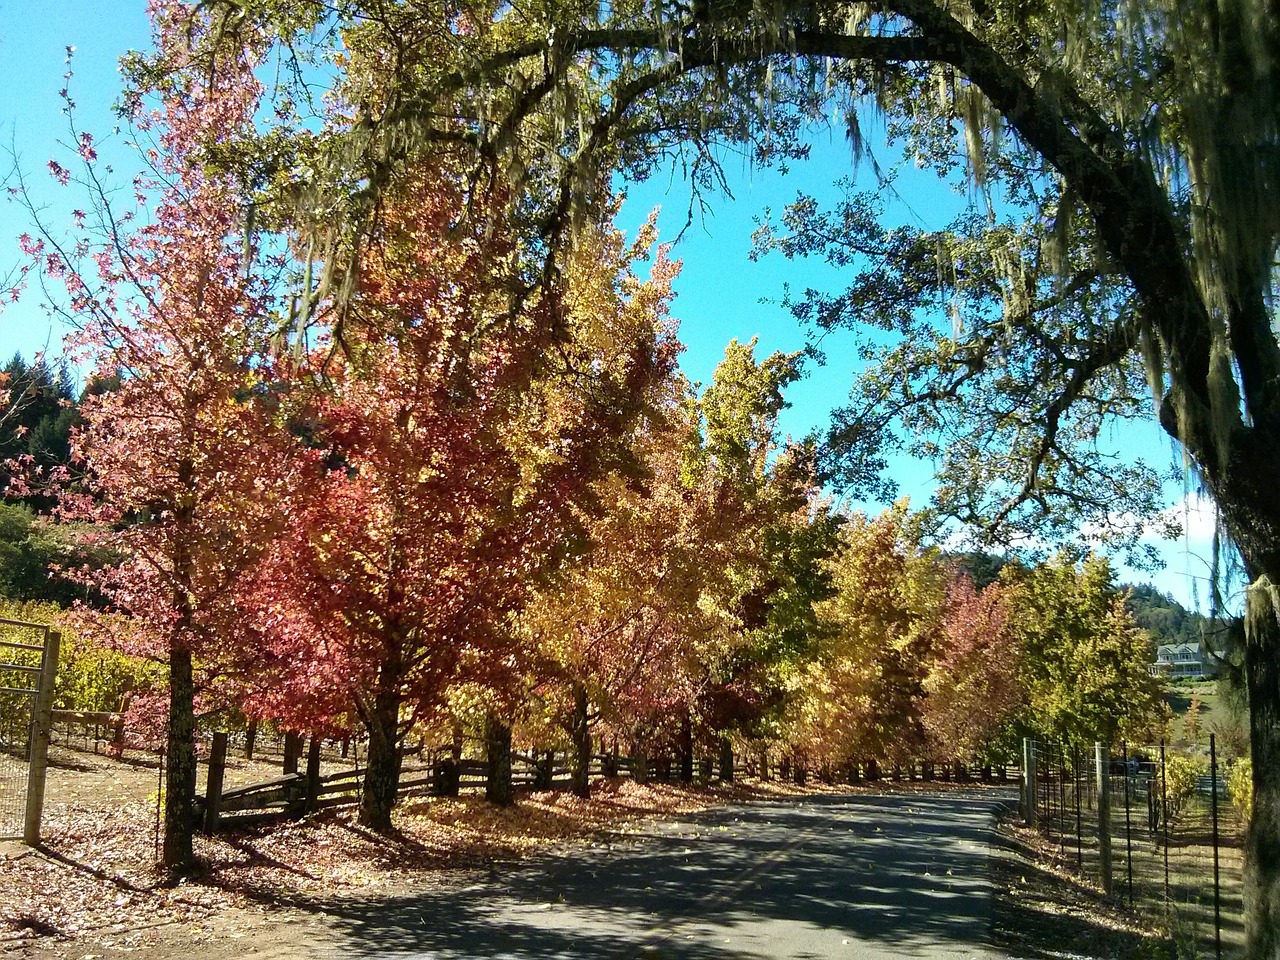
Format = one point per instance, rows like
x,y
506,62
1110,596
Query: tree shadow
x,y
72,766
95,872
901,872
1038,911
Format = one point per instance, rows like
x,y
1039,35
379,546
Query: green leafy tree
x,y
35,427
782,536
1084,660
41,560
1167,620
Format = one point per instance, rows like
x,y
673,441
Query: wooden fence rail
x,y
295,794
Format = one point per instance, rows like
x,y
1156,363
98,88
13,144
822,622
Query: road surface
x,y
844,877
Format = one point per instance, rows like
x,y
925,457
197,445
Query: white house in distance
x,y
1179,661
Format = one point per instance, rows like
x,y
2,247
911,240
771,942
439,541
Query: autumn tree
x,y
865,692
454,449
180,463
1131,155
974,685
615,639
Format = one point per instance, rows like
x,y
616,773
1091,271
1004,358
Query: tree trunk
x,y
382,775
180,778
726,760
640,764
686,748
581,737
497,742
1262,842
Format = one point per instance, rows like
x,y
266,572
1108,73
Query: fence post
x,y
213,786
726,759
1128,827
1104,814
1028,782
1075,783
1164,819
41,731
1217,885
313,774
292,752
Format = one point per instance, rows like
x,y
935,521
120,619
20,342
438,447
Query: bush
x,y
1180,778
1240,788
91,677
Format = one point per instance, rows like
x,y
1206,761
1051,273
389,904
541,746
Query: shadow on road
x,y
898,873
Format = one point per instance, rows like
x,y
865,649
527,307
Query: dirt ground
x,y
1041,905
94,893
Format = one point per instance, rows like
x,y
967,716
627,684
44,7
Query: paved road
x,y
843,877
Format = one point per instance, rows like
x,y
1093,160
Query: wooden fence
x,y
297,793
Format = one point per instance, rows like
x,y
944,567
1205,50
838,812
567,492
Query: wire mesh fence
x,y
22,647
1154,826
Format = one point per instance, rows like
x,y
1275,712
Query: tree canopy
x,y
1126,151
1125,229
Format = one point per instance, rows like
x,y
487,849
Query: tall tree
x,y
1084,661
179,462
1142,139
975,688
867,687
35,426
616,639
455,450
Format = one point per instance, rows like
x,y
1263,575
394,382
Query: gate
x,y
28,664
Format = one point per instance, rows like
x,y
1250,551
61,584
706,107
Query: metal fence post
x,y
41,731
1128,827
1104,814
1028,782
1164,819
1217,886
1075,775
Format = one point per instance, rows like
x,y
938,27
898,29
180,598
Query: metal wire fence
x,y
22,648
1154,827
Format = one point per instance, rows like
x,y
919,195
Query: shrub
x,y
91,677
1180,777
1240,788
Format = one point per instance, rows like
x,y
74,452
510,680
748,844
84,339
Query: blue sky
x,y
720,292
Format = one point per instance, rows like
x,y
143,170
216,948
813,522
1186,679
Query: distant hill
x,y
1166,619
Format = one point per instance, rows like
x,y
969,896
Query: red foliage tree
x,y
182,461
974,685
454,449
